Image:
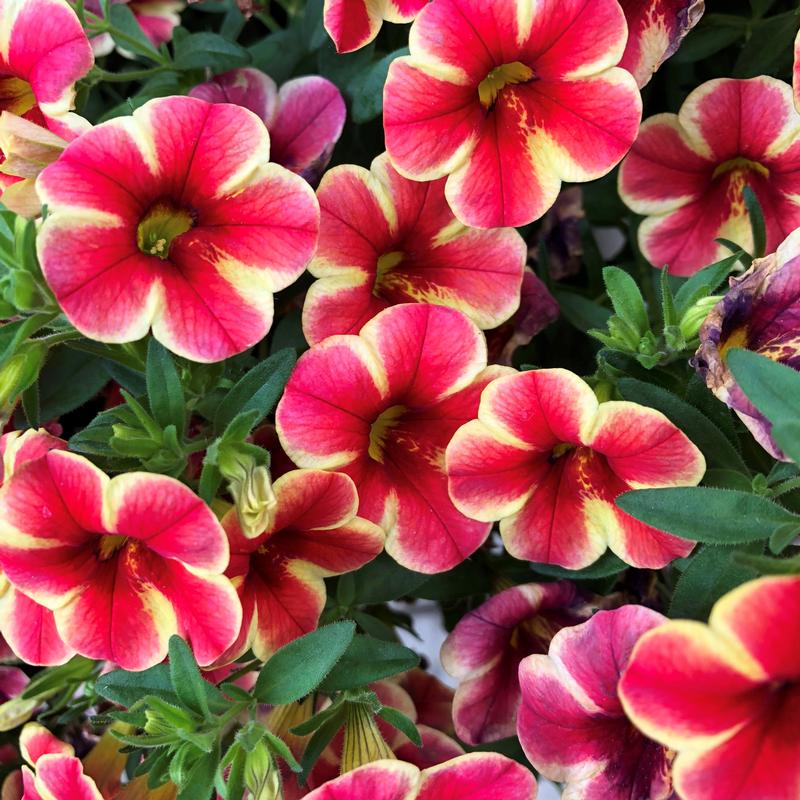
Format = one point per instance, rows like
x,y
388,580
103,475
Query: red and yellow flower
x,y
381,407
385,239
305,118
353,23
477,775
125,562
572,726
509,99
548,460
27,626
279,574
486,647
655,30
686,172
725,696
159,220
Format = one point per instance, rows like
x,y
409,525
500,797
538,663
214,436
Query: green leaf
x,y
366,88
710,574
768,47
135,39
786,434
206,50
164,389
367,660
279,53
757,224
626,299
765,565
397,719
126,688
186,679
773,388
783,537
704,514
297,669
259,390
608,564
719,452
199,783
69,379
383,579
704,283
580,312
279,747
322,737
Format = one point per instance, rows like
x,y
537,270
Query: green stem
x,y
57,338
786,486
130,75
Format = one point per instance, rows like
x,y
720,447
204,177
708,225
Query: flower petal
x,y
478,776
381,780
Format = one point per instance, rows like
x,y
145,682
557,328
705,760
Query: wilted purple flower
x,y
760,312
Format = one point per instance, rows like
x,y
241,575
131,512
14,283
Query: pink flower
x,y
385,239
485,649
157,19
159,220
548,461
381,407
125,562
687,171
305,118
354,23
572,725
509,99
725,696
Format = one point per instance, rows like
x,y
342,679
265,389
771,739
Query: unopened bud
x,y
261,774
693,319
251,487
20,372
363,742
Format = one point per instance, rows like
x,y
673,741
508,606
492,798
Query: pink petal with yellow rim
x,y
381,780
61,778
36,741
478,776
351,23
246,87
309,499
17,447
340,305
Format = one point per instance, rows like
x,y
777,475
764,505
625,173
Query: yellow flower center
x,y
500,77
380,430
386,263
109,545
740,163
737,338
160,225
16,95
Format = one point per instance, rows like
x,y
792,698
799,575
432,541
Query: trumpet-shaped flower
x,y
572,725
279,574
305,118
125,562
759,312
381,407
27,626
509,99
353,23
655,30
385,239
477,776
725,696
548,460
687,172
486,647
161,220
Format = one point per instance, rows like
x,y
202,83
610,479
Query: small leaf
x,y
126,688
279,747
383,580
783,537
368,660
164,389
704,282
208,50
626,299
757,223
186,679
124,20
397,719
322,737
704,514
366,88
297,669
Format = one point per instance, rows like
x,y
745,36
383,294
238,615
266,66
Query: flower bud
x,y
261,774
363,742
251,487
693,319
21,370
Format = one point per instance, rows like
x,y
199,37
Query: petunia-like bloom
x,y
486,647
759,313
796,72
725,696
125,562
27,626
656,29
353,23
57,773
548,461
385,239
279,574
162,219
509,99
305,118
432,699
381,407
488,776
687,172
572,726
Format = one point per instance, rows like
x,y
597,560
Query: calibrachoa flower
x,y
27,626
279,574
163,220
385,239
432,699
726,696
759,312
548,460
655,30
488,776
381,407
508,99
305,118
124,562
687,171
354,23
571,724
485,649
